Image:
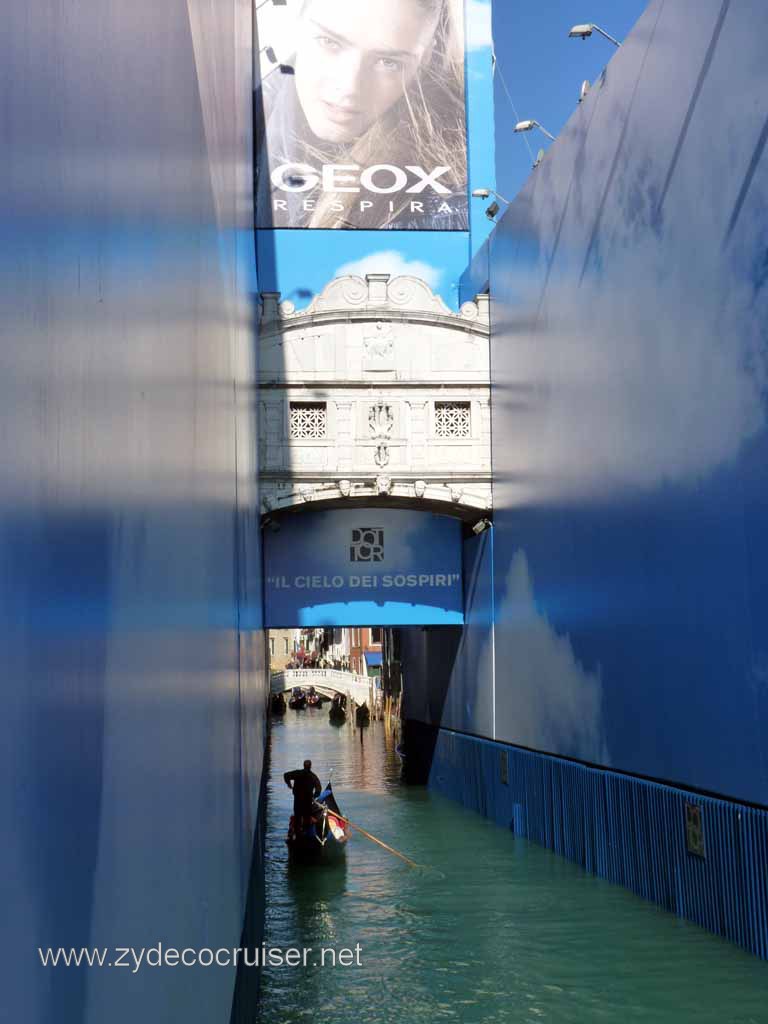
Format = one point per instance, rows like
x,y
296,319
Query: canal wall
x,y
629,831
630,443
132,724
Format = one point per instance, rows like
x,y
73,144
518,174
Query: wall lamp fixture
x,y
528,126
486,193
481,526
585,31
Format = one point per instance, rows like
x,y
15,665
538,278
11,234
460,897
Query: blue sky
x,y
541,70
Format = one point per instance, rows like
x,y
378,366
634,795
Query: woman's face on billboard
x,y
354,59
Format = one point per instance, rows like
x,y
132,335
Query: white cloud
x,y
394,263
479,24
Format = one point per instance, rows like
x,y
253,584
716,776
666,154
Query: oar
x,y
373,839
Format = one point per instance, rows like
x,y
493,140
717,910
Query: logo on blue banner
x,y
367,544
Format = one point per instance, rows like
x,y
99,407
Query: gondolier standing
x,y
306,786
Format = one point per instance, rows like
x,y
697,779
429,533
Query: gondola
x,y
362,714
313,698
323,837
277,704
338,711
298,699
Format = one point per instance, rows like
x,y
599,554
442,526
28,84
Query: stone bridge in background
x,y
375,394
327,681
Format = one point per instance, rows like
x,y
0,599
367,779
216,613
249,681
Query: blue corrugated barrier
x,y
627,830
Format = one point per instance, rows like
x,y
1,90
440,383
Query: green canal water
x,y
491,928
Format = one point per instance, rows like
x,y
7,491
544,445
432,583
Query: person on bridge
x,y
305,786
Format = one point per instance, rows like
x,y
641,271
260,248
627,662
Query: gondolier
x,y
306,786
320,837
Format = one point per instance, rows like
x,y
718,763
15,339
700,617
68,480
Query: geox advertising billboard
x,y
352,567
360,115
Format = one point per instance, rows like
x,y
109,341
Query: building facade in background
x,y
375,390
283,647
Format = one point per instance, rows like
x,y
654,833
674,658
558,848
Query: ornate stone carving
x,y
384,484
345,486
379,348
340,293
307,420
413,293
453,419
381,420
419,488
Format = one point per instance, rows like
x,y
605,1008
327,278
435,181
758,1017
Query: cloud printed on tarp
x,y
479,24
545,699
639,393
394,263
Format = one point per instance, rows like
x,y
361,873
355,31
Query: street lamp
x,y
528,126
585,31
486,193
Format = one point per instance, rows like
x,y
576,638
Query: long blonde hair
x,y
427,126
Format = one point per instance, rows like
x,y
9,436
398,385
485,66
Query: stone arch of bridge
x,y
331,497
328,682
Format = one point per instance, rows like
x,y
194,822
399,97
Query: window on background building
x,y
376,635
308,420
272,646
286,645
452,419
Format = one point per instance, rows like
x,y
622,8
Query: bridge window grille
x,y
452,419
308,420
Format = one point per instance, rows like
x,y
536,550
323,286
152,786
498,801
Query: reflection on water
x,y
490,928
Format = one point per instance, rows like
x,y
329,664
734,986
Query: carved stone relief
x,y
379,348
381,421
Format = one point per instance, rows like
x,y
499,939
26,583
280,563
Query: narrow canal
x,y
491,928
